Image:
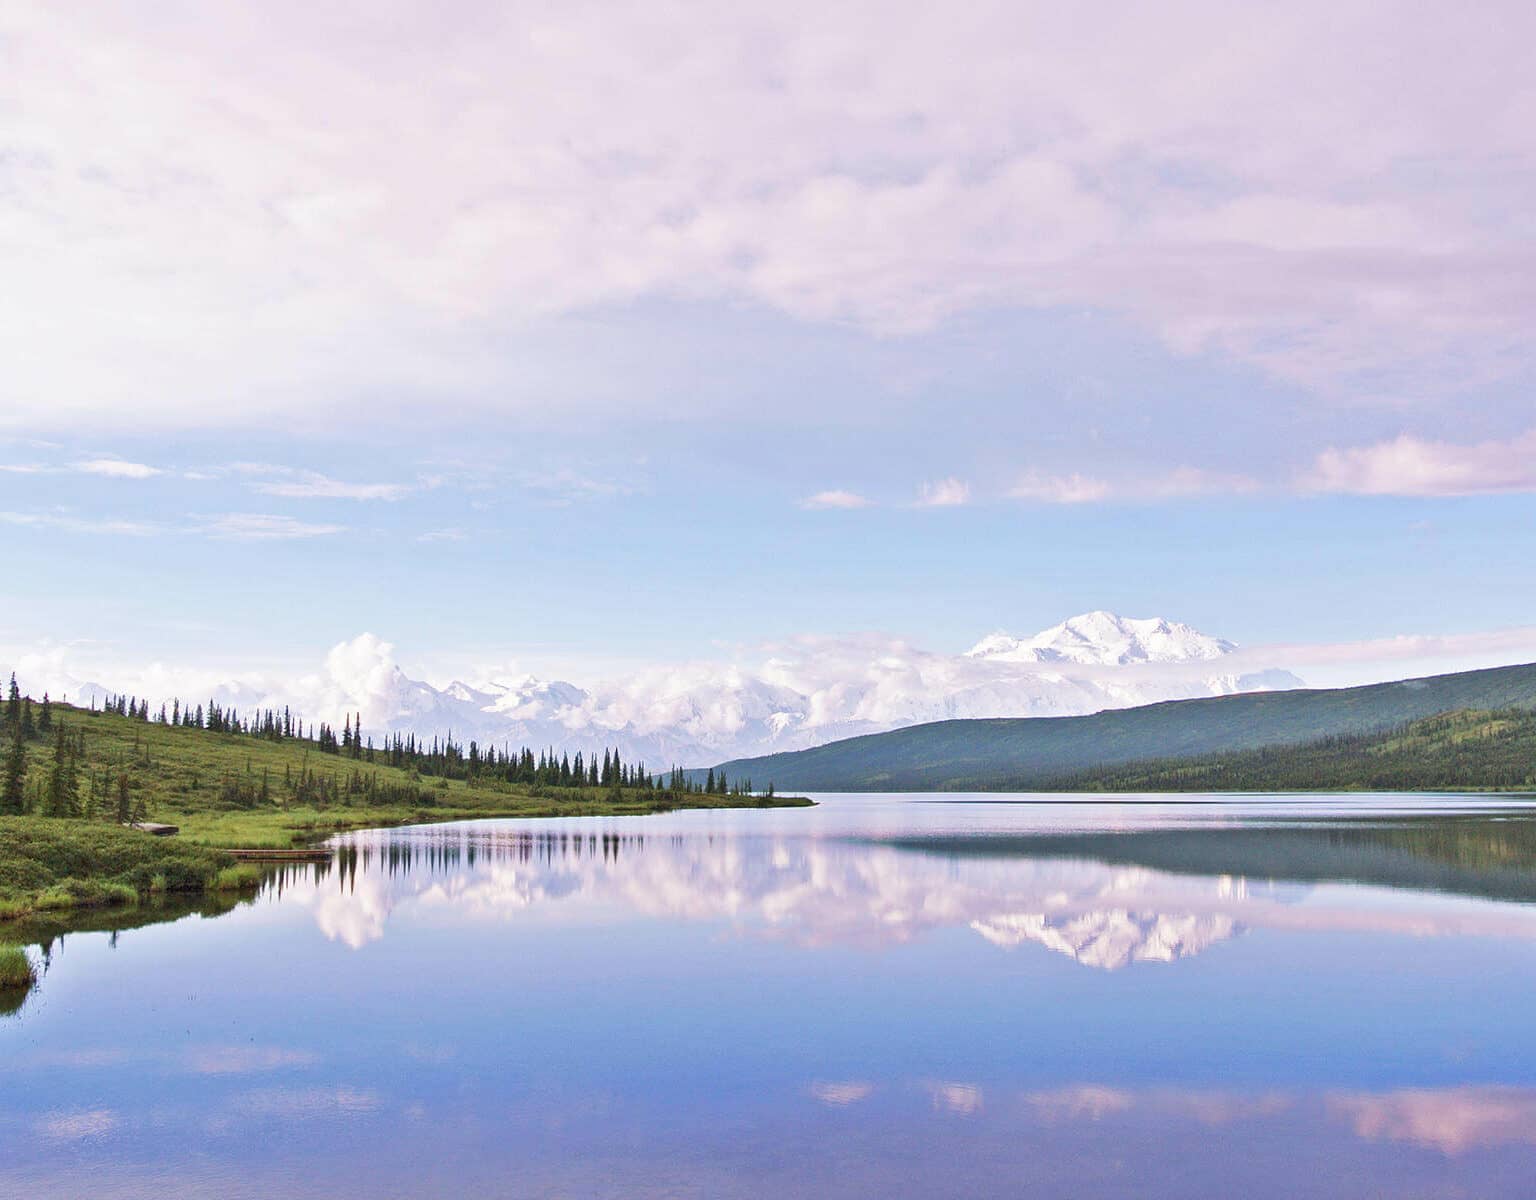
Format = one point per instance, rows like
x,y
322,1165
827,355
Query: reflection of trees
x,y
808,891
48,931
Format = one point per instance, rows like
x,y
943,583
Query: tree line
x,y
70,787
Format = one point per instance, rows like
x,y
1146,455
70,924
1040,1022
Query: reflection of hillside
x,y
48,931
1175,901
1489,857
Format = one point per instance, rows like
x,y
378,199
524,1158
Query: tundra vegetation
x,y
75,784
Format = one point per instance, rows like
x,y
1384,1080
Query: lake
x,y
913,995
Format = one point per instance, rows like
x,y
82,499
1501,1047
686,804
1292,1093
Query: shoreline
x,y
77,865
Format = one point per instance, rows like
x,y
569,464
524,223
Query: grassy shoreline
x,y
225,790
52,864
278,829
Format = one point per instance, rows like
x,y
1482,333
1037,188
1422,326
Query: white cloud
x,y
1409,466
246,526
570,486
265,527
73,524
1059,489
836,498
116,468
1180,483
944,493
310,485
765,698
1022,155
442,535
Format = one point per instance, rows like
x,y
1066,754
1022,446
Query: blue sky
x,y
546,336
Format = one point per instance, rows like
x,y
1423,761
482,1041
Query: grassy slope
x,y
1027,752
180,772
1460,750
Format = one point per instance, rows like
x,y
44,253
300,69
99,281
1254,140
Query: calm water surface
x,y
916,996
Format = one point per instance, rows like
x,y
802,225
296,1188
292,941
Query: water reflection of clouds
x,y
246,1060
77,1126
200,1059
828,893
961,1099
1451,1120
286,1103
840,1095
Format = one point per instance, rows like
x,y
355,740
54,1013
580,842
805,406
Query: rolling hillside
x,y
1005,755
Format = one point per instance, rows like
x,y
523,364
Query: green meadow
x,y
79,775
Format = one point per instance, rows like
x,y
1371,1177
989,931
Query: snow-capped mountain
x,y
1103,638
800,694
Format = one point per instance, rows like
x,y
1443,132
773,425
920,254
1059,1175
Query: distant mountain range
x,y
804,693
1020,754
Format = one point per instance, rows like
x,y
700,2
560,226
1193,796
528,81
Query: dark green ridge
x,y
1030,752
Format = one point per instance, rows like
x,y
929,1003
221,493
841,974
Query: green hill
x,y
1031,753
1460,750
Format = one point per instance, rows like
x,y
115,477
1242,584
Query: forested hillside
x,y
259,778
1459,750
1031,753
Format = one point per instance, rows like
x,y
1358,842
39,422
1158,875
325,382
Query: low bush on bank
x,y
53,865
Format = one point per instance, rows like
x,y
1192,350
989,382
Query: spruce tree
x,y
28,729
45,715
63,779
13,796
124,799
13,706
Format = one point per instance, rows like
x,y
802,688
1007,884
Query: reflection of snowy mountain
x,y
838,891
1112,938
804,891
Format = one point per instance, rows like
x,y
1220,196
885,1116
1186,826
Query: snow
x,y
1105,639
804,693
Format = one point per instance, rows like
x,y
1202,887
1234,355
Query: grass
x,y
15,969
184,776
49,865
205,783
240,878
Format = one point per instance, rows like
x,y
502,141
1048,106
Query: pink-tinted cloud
x,y
373,192
1409,466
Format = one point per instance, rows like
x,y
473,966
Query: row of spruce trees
x,y
70,788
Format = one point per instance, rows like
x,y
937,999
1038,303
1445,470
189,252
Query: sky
x,y
574,337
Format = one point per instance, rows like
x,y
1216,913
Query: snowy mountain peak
x,y
1105,639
